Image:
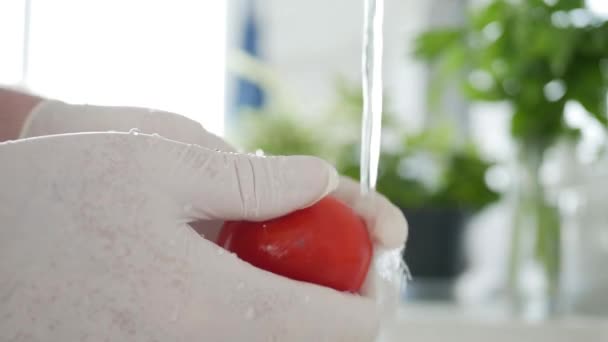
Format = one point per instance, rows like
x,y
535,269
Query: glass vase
x,y
534,262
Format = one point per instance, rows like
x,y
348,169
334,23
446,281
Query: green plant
x,y
416,170
531,54
536,55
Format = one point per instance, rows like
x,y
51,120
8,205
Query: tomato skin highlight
x,y
325,244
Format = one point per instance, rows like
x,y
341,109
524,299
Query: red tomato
x,y
325,244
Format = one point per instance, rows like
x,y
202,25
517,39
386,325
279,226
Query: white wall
x,y
311,42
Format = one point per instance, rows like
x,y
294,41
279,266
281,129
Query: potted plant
x,y
536,56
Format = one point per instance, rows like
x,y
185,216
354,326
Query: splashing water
x,y
372,93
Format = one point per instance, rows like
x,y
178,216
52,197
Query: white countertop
x,y
434,322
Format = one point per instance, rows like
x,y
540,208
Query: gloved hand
x,y
386,222
117,259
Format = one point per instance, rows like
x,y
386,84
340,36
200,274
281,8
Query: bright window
x,y
11,40
165,54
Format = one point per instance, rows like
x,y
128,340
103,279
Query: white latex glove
x,y
386,222
110,254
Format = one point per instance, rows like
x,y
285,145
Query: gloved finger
x,y
386,279
385,221
388,227
216,185
51,117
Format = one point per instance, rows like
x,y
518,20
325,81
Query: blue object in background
x,y
248,95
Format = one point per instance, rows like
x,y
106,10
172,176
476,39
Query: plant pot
x,y
434,252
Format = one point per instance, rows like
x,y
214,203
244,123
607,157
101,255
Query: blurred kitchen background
x,y
494,134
